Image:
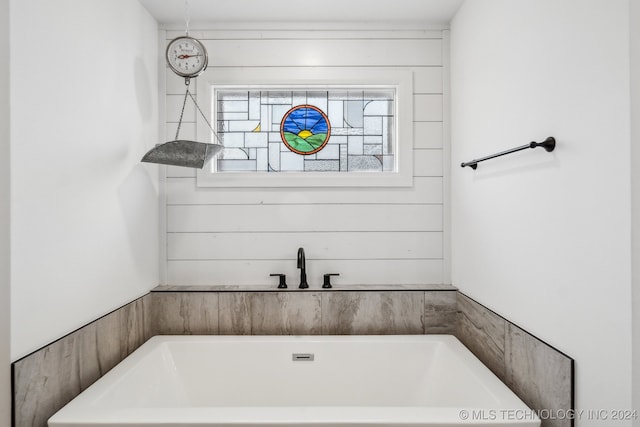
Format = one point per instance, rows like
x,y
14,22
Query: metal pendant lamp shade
x,y
182,152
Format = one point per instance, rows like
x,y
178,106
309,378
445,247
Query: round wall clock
x,y
186,56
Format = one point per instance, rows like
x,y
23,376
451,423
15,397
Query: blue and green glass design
x,y
305,129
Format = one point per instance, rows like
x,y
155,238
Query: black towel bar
x,y
548,144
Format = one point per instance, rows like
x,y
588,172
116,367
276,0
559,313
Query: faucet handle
x,y
327,280
283,280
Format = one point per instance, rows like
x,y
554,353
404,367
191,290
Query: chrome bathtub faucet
x,y
303,269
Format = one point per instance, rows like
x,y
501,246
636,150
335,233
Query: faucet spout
x,y
303,269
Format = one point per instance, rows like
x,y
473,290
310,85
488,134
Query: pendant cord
x,y
204,117
187,16
184,103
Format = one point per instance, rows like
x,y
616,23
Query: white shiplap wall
x,y
368,235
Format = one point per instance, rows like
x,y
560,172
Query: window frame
x,y
314,78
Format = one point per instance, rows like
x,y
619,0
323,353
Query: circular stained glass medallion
x,y
305,129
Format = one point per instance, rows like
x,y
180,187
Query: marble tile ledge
x,y
294,288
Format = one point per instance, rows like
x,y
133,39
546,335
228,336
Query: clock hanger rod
x,y
187,16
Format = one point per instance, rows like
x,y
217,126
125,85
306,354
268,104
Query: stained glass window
x,y
336,130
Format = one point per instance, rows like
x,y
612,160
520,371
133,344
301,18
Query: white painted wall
x,y
368,235
634,37
5,258
544,239
84,210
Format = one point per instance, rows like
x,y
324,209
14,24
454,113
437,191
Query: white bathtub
x,y
242,381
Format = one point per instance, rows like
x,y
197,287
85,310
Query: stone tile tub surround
x,y
309,312
540,375
45,380
49,378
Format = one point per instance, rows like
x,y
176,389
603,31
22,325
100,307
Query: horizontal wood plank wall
x,y
368,235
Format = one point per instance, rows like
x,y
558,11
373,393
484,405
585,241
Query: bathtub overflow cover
x,y
302,357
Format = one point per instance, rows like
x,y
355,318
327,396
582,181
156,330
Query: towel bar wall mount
x,y
548,144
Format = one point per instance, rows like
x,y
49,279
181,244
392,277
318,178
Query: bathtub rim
x,y
255,415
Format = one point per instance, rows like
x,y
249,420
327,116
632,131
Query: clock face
x,y
186,56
